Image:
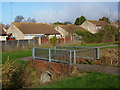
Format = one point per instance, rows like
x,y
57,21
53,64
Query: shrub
x,y
108,34
18,77
53,41
8,70
88,37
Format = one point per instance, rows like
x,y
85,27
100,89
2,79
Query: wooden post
x,y
71,38
39,41
17,43
64,39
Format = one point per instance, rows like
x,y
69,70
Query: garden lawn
x,y
92,80
15,55
95,45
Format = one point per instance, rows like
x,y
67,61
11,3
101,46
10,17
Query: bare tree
x,y
29,20
19,18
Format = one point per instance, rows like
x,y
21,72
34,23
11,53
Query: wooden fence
x,y
25,44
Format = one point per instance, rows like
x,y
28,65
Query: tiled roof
x,y
98,23
116,23
36,28
72,28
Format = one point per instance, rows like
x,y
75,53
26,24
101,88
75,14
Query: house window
x,y
61,36
88,28
99,27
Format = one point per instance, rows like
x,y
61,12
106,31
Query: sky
x,y
49,12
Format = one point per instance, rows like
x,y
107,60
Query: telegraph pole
x,y
11,11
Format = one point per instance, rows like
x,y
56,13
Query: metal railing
x,y
54,55
82,52
65,56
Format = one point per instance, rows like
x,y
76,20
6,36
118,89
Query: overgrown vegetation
x,y
107,35
110,56
18,77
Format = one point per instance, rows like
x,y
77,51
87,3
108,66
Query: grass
x,y
15,55
92,80
95,45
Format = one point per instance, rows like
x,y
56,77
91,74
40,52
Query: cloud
x,y
74,10
48,16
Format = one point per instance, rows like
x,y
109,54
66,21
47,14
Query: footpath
x,y
99,68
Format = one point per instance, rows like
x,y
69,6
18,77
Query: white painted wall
x,y
63,32
90,27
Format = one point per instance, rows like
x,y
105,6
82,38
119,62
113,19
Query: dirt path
x,y
25,58
99,68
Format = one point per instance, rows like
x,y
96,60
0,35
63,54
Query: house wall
x,y
3,38
61,31
90,27
15,32
28,37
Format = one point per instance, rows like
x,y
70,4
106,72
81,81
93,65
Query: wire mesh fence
x,y
67,56
41,53
55,55
86,53
82,52
60,55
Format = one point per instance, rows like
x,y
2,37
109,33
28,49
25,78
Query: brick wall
x,y
57,69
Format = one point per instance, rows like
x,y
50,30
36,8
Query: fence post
x,y
97,53
17,43
33,55
74,57
64,39
49,55
55,47
71,38
28,41
49,58
70,57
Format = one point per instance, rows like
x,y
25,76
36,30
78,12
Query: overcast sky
x,y
49,12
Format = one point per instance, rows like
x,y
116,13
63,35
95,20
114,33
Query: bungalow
x,y
69,30
116,24
94,26
31,30
3,34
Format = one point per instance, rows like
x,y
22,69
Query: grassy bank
x,y
92,80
